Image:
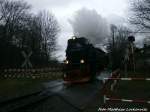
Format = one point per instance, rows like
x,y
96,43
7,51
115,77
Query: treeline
x,y
22,31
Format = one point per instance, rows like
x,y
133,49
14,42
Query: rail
x,y
21,102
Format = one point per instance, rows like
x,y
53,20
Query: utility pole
x,y
113,29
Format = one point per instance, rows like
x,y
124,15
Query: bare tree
x,y
49,31
22,30
117,45
13,16
140,15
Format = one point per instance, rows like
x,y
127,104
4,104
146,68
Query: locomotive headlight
x,y
74,37
81,61
66,62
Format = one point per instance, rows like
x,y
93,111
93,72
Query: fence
x,y
32,73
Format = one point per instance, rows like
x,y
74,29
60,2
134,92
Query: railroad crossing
x,y
26,64
56,97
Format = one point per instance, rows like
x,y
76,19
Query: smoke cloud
x,y
88,23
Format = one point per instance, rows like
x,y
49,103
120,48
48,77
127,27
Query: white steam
x,y
88,23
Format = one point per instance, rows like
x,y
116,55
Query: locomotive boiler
x,y
83,60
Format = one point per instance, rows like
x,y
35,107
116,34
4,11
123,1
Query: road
x,y
62,98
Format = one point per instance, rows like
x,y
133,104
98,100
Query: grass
x,y
13,87
133,89
135,74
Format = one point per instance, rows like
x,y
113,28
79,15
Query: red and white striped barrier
x,y
114,84
105,81
112,76
127,79
125,100
115,79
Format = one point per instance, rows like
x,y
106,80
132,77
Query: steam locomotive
x,y
83,60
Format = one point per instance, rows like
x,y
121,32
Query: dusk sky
x,y
112,10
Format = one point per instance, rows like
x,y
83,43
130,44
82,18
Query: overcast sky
x,y
112,10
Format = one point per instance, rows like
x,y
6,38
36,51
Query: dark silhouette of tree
x,y
117,45
14,17
20,30
49,31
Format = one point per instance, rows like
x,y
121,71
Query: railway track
x,y
73,98
53,97
19,103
